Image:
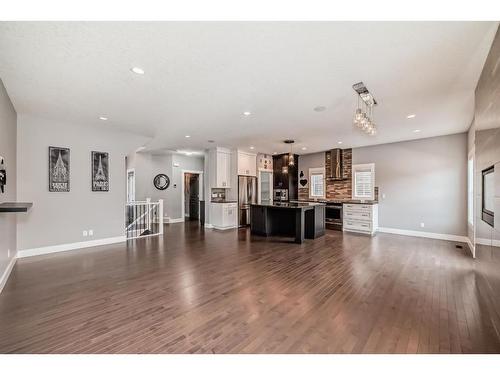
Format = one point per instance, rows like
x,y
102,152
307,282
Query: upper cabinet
x,y
219,161
247,163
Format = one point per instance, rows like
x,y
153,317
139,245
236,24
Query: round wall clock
x,y
3,175
161,181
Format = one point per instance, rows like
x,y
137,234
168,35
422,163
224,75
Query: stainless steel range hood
x,y
336,157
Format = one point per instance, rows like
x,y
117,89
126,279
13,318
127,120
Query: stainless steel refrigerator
x,y
247,194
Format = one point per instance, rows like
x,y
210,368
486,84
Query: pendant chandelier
x,y
363,116
291,159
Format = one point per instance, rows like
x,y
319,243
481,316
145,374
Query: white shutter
x,y
363,181
316,182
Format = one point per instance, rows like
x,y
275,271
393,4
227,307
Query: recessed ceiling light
x,y
188,153
304,148
103,118
339,142
319,108
411,116
187,136
246,113
251,147
137,70
416,131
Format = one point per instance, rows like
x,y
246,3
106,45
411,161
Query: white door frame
x,y
472,155
128,171
200,188
259,190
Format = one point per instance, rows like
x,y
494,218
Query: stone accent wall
x,y
340,190
303,193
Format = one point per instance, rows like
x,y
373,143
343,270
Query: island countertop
x,y
299,220
290,205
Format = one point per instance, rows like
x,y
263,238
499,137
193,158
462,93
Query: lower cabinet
x,y
224,215
360,218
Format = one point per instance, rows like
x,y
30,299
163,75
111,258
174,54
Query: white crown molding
x,y
416,233
6,273
69,246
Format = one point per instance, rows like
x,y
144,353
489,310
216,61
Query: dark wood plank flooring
x,y
227,292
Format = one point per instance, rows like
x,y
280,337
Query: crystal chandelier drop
x,y
363,116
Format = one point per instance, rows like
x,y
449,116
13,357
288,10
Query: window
x,y
363,181
470,190
316,182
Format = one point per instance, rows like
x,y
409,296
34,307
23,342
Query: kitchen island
x,y
299,220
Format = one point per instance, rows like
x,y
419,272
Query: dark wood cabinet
x,y
285,176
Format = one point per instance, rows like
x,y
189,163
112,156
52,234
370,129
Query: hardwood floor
x,y
227,292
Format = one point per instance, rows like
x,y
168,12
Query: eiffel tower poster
x,y
58,169
100,171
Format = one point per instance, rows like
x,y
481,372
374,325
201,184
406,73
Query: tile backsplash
x,y
339,190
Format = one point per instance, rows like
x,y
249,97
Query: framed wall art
x,y
59,168
100,171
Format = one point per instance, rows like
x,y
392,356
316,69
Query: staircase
x,y
143,218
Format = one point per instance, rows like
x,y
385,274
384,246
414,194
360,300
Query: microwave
x,y
280,194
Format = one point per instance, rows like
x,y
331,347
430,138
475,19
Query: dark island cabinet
x,y
285,176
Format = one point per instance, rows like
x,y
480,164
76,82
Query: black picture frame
x,y
99,164
487,215
59,169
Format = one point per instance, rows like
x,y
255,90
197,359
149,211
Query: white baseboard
x,y
69,246
209,226
471,247
222,228
487,242
6,273
176,220
416,233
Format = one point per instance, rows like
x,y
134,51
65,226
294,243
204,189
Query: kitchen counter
x,y
299,220
348,201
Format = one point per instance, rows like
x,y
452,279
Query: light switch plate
x,y
91,232
84,233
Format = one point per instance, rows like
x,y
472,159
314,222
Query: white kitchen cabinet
x,y
219,160
247,164
360,218
224,215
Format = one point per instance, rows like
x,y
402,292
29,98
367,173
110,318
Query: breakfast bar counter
x,y
299,220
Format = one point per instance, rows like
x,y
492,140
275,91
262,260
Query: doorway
x,y
192,192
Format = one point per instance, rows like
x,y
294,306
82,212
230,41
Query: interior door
x,y
194,197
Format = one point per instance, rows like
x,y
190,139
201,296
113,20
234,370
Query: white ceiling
x,y
201,76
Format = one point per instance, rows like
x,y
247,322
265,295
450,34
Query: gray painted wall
x,y
148,165
60,218
8,151
423,181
